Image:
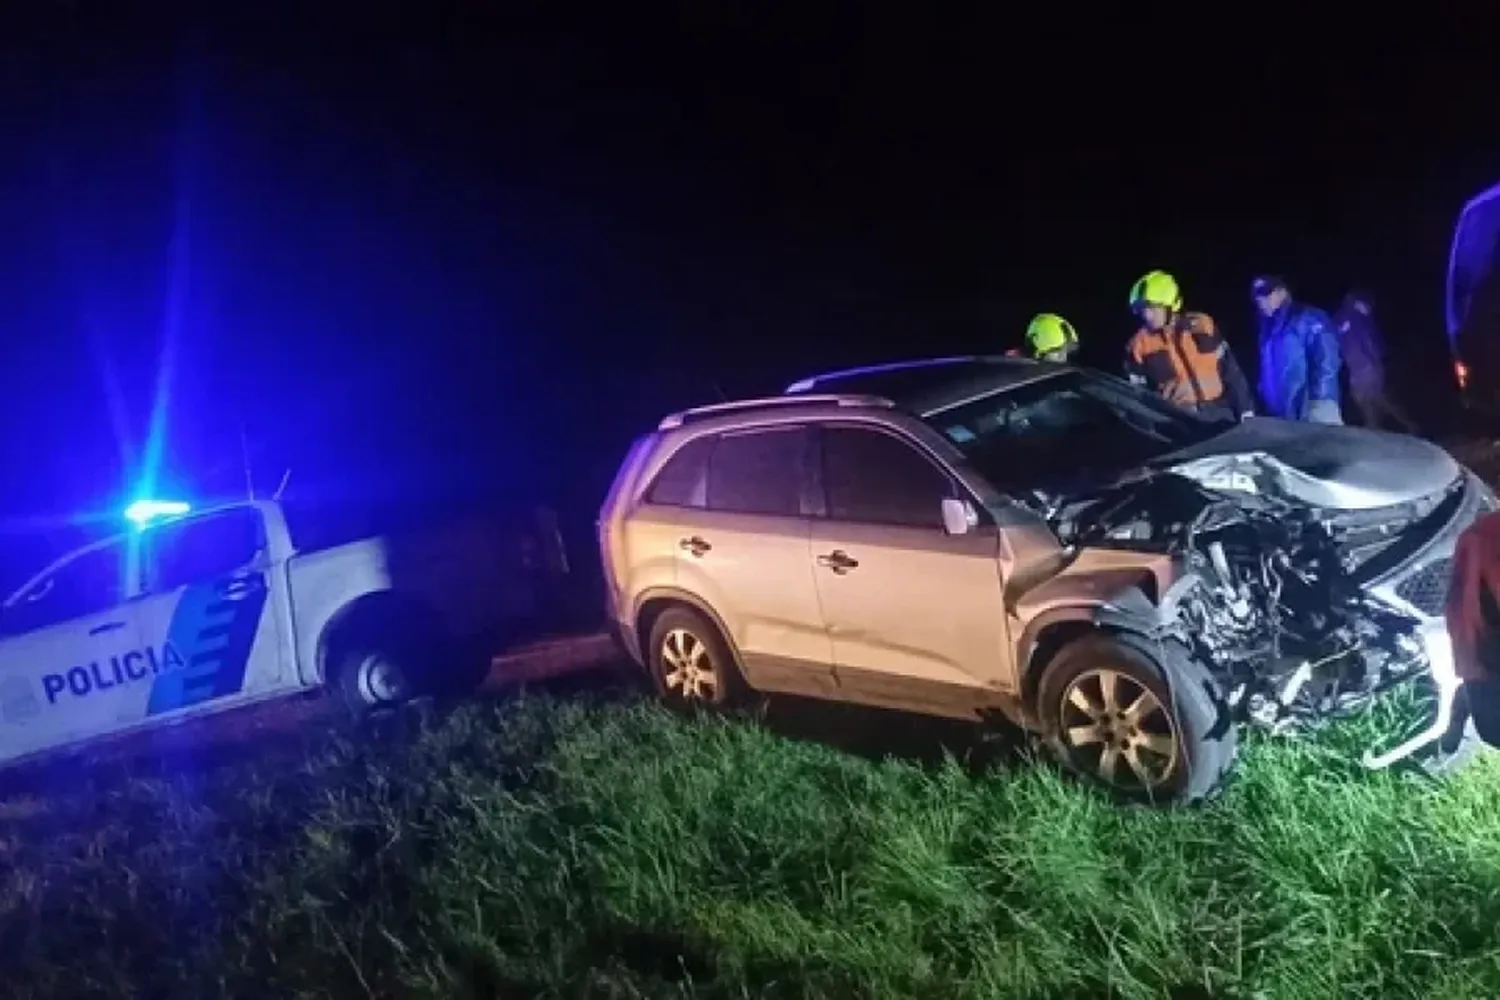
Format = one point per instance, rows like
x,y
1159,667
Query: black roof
x,y
930,384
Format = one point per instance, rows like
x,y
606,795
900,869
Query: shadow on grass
x,y
877,733
870,733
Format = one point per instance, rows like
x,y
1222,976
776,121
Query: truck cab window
x,y
85,585
203,548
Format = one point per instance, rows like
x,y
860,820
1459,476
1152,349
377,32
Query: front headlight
x,y
1231,481
1225,473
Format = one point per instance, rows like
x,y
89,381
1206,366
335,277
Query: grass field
x,y
598,846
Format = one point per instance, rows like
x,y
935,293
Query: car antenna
x,y
722,398
281,487
245,457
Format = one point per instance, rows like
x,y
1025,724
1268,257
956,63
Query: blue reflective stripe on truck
x,y
214,635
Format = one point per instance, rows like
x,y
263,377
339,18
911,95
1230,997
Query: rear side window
x,y
758,472
683,480
874,478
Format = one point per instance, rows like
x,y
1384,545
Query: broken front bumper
x,y
1438,649
1420,588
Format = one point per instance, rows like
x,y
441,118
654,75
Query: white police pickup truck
x,y
205,611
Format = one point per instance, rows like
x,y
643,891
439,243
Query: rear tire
x,y
691,664
1142,718
375,677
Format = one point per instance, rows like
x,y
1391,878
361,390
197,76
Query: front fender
x,y
1130,611
1124,604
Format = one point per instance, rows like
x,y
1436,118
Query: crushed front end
x,y
1303,613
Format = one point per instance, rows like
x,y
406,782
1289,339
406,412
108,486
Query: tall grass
x,y
602,847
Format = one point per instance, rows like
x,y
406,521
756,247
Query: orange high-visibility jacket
x,y
1189,364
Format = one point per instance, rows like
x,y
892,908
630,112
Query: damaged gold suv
x,y
972,537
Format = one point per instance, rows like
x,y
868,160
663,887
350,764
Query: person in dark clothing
x,y
1477,344
1473,619
1363,352
1299,356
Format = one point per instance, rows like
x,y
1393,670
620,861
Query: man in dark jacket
x,y
1299,356
1364,356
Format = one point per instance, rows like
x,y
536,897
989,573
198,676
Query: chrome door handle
x,y
694,545
839,561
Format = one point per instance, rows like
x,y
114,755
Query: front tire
x,y
1143,719
691,664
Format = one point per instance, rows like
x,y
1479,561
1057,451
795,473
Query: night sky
x,y
419,248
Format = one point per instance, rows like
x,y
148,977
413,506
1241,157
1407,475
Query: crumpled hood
x,y
1346,468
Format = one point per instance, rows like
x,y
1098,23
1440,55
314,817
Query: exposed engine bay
x,y
1274,593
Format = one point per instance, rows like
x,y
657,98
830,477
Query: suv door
x,y
742,547
72,664
916,615
208,585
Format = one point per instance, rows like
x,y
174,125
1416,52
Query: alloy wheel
x,y
1116,728
687,667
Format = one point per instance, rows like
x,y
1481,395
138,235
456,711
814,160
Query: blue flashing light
x,y
143,512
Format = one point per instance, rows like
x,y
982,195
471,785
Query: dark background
x,y
409,249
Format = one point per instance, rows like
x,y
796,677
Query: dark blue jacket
x,y
1299,360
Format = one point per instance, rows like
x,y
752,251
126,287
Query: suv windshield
x,y
1069,430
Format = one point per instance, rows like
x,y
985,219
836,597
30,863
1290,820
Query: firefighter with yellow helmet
x,y
1049,337
1181,356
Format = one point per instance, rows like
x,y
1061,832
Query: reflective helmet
x,y
1156,288
1049,332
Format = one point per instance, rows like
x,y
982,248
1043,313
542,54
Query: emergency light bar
x,y
143,512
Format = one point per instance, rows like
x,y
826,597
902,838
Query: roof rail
x,y
770,402
892,366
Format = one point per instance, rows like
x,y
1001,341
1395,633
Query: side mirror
x,y
959,516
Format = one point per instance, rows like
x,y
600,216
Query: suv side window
x,y
682,482
876,478
203,548
86,585
758,472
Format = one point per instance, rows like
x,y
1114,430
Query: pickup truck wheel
x,y
691,664
1146,720
372,679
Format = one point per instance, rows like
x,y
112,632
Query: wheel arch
x,y
376,616
656,601
1131,613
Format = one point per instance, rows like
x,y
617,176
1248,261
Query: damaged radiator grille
x,y
1427,588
